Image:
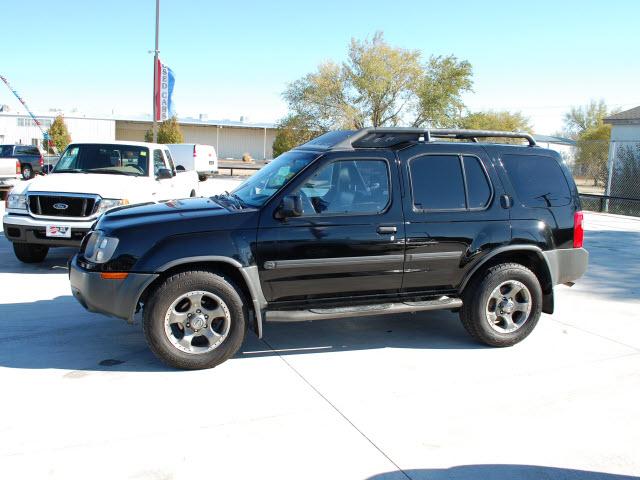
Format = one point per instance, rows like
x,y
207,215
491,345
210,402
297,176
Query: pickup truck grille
x,y
61,206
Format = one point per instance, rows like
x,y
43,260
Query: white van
x,y
193,156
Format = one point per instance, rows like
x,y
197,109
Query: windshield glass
x,y
99,158
259,188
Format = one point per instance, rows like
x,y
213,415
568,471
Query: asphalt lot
x,y
409,396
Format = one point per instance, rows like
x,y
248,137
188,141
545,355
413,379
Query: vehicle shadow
x,y
500,472
60,334
56,261
614,264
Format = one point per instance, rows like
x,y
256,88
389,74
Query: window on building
x,y
538,180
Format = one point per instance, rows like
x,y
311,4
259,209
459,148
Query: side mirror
x,y
164,173
291,206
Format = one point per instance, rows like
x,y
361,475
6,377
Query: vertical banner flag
x,y
164,92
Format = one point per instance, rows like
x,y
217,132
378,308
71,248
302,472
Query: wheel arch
x,y
529,256
246,279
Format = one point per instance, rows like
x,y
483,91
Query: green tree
x,y
501,121
59,134
582,118
293,130
168,132
592,152
380,85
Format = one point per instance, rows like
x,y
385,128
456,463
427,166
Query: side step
x,y
442,303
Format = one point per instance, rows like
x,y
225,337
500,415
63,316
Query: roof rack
x,y
390,136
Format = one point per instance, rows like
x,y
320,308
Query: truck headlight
x,y
100,248
17,202
109,203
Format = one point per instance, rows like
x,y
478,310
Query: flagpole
x,y
155,74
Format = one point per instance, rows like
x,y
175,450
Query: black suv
x,y
351,224
29,156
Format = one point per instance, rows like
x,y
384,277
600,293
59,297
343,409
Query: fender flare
x,y
509,248
249,274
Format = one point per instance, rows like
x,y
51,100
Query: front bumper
x,y
115,298
26,229
566,265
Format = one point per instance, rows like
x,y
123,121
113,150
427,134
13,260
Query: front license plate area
x,y
59,231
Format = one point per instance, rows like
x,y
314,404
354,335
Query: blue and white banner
x,y
164,97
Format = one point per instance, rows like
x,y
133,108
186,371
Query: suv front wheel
x,y
195,320
502,306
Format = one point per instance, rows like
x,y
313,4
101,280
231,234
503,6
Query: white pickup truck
x,y
90,178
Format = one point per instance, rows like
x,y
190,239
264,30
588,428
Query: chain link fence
x,y
607,175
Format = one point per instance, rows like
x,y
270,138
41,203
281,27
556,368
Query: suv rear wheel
x,y
502,306
195,320
29,253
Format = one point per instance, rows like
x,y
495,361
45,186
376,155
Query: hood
x,y
105,185
176,217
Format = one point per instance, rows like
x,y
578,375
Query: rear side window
x,y
437,182
449,182
479,191
538,180
6,151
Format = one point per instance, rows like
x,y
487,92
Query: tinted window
x,y
346,187
6,151
158,161
538,180
478,189
436,182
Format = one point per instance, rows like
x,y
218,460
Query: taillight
x,y
18,169
578,230
41,161
194,151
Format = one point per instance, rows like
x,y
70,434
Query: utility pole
x,y
155,75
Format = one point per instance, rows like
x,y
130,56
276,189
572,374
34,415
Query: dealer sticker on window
x,y
63,231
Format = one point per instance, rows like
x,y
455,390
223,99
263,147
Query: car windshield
x,y
104,158
259,188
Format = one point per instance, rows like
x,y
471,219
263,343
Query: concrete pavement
x,y
410,396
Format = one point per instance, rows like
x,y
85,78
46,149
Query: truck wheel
x,y
29,253
202,178
27,172
502,306
195,320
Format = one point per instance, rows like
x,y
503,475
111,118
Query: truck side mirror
x,y
290,206
164,173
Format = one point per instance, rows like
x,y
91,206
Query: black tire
x,y
171,289
29,253
202,178
476,298
27,172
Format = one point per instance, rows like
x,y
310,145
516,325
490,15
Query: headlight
x,y
100,248
109,203
17,202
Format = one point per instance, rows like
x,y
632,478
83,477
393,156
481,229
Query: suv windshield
x,y
99,158
256,190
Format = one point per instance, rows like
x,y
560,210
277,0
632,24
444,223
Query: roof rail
x,y
390,136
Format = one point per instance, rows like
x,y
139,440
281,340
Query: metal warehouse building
x,y
231,139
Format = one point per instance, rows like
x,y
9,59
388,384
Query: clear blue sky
x,y
234,58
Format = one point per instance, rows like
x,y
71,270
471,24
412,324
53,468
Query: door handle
x,y
390,229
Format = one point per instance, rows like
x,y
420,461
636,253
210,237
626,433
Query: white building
x,y
231,139
625,126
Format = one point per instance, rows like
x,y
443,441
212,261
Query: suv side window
x,y
347,187
478,187
449,182
538,180
437,182
6,151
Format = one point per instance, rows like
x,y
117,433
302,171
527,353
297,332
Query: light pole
x,y
155,75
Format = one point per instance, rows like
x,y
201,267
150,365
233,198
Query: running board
x,y
442,303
